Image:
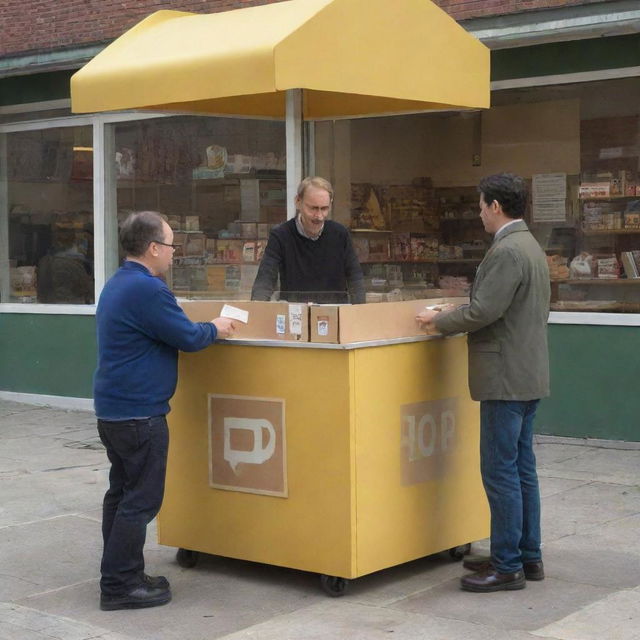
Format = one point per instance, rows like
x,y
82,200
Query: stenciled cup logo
x,y
247,444
259,453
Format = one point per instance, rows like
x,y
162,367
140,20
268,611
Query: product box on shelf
x,y
594,190
266,320
194,245
343,324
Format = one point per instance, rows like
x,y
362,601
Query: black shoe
x,y
142,596
157,582
532,570
491,580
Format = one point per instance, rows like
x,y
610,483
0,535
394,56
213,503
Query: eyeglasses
x,y
166,244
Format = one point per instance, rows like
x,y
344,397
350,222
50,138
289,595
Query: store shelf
x,y
370,230
608,232
605,198
600,281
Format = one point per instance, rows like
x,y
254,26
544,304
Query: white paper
x,y
549,195
234,313
295,319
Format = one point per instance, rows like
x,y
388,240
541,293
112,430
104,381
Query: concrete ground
x,y
53,473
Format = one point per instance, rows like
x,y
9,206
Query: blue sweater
x,y
140,330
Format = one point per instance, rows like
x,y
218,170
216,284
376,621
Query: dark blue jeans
x,y
137,450
508,467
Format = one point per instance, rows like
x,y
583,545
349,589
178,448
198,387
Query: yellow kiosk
x,y
336,458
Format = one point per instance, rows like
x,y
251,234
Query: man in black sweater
x,y
313,256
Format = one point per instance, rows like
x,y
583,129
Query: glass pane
x,y
49,195
406,187
221,185
413,217
594,253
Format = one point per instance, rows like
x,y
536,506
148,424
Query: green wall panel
x,y
595,374
566,57
47,354
35,88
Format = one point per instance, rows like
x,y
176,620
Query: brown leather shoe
x,y
532,570
491,580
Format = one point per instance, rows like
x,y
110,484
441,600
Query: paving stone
x,y
616,617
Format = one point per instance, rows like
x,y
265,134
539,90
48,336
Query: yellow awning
x,y
351,57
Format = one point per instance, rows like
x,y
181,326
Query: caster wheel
x,y
187,558
457,553
334,586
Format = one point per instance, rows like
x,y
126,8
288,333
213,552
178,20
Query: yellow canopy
x,y
351,57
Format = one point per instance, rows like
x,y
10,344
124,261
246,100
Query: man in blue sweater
x,y
140,330
313,256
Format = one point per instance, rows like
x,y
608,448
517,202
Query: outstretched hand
x,y
224,326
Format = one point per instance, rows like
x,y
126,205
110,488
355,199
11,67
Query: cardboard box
x,y
365,322
267,320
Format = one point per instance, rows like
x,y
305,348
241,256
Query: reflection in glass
x,y
50,216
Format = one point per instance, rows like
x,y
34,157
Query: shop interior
x,y
405,186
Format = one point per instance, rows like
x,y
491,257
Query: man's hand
x,y
426,319
224,326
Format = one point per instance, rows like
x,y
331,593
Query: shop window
x,y
220,184
406,187
48,216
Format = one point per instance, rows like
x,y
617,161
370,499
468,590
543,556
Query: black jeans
x,y
137,450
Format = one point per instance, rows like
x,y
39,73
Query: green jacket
x,y
507,320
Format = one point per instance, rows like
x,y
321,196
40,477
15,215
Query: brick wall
x,y
47,25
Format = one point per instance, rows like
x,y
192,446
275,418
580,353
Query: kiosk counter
x,y
338,458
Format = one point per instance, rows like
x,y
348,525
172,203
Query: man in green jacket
x,y
508,373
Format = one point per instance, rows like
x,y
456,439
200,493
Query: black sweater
x,y
325,270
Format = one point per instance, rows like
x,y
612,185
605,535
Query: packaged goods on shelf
x,y
216,275
192,223
379,248
608,267
228,250
180,240
394,274
630,183
594,190
632,219
423,247
210,250
629,265
260,247
232,278
194,244
582,266
238,163
175,222
23,281
249,252
558,269
401,246
198,278
248,230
